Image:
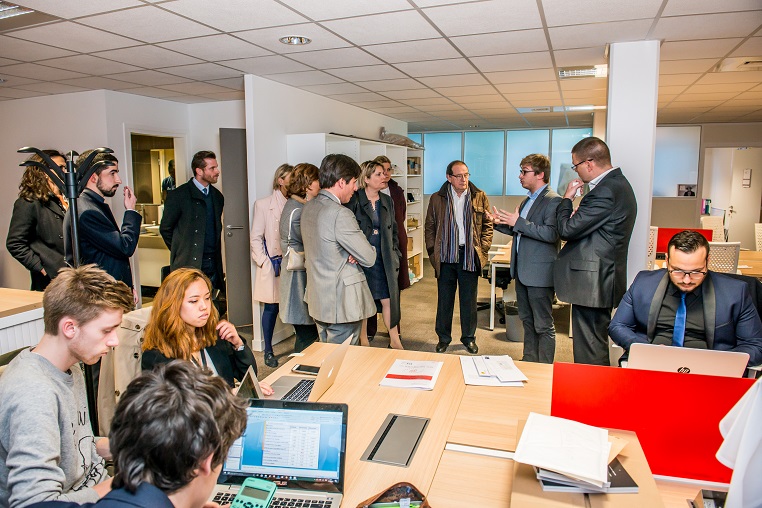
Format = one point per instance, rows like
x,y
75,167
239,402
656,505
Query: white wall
x,y
717,176
206,120
745,200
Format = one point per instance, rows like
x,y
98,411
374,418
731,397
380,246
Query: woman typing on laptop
x,y
185,325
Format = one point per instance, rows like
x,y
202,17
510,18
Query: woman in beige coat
x,y
265,246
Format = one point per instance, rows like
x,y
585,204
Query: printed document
x,y
412,374
491,371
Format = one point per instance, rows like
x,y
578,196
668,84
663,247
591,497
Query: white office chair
x,y
758,235
723,256
653,233
715,223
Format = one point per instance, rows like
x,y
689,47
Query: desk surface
x,y
752,259
484,417
16,301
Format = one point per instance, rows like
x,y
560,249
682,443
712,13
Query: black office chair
x,y
502,279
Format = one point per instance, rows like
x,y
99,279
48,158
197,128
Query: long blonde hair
x,y
166,331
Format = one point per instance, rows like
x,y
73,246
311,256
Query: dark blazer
x,y
35,238
183,227
229,363
591,269
400,217
539,241
390,249
146,495
731,321
100,239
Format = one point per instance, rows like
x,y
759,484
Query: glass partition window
x,y
561,172
484,155
418,138
676,160
519,145
441,149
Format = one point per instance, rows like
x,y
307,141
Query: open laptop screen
x,y
291,443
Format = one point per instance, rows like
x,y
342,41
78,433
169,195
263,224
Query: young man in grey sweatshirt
x,y
47,448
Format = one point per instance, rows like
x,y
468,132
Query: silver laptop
x,y
301,446
687,360
249,387
300,388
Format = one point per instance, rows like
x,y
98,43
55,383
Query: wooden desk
x,y
20,318
752,259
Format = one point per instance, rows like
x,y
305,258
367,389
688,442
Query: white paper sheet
x,y
471,375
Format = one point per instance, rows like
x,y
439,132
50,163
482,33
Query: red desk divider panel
x,y
665,235
676,416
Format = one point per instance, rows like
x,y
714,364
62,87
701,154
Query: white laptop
x,y
300,446
687,360
301,388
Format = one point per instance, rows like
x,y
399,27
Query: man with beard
x,y
101,241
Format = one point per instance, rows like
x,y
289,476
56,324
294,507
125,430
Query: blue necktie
x,y
205,191
678,335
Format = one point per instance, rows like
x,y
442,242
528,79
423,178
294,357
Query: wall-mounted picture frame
x,y
686,190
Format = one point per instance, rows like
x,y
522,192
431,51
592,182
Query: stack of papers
x,y
491,371
412,374
569,456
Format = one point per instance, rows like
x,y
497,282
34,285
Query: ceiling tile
x,y
7,61
671,90
719,88
148,91
435,108
707,26
678,79
334,89
710,48
204,71
234,83
731,77
380,28
520,41
584,84
148,56
377,104
11,81
585,36
97,83
268,38
149,78
215,48
234,15
518,61
52,88
35,71
352,98
226,96
69,10
304,78
28,51
536,96
414,51
708,103
334,58
522,76
437,67
534,103
194,88
265,65
680,7
147,24
320,11
68,35
395,109
752,47
367,73
410,94
485,17
749,95
454,80
584,101
187,99
479,99
16,93
687,66
88,64
573,94
564,12
456,91
580,57
393,84
428,101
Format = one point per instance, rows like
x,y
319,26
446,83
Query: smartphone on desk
x,y
310,370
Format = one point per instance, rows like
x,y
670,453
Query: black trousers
x,y
536,314
590,330
305,336
452,276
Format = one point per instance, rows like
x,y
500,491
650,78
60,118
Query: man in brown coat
x,y
458,238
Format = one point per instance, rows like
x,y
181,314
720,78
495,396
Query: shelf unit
x,y
313,147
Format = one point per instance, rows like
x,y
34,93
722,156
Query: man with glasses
x,y
687,305
458,235
591,269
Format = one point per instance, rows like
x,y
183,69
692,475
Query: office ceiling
x,y
437,64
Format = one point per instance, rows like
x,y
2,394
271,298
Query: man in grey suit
x,y
591,269
337,295
533,252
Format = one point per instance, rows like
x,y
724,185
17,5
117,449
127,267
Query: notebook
x,y
687,360
299,388
300,446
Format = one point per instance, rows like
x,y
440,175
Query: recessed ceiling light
x,y
295,40
596,71
9,10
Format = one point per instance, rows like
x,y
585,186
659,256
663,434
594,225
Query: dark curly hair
x,y
34,183
301,178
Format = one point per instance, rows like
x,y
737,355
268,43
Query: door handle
x,y
233,227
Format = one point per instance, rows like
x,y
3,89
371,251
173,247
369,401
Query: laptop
x,y
249,387
687,360
300,388
300,446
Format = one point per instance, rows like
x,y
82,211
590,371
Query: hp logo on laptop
x,y
683,370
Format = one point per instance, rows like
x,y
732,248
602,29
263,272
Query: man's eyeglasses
x,y
523,172
462,176
574,166
693,274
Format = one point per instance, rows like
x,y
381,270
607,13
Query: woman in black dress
x,y
35,235
375,214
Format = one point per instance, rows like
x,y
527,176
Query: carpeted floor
x,y
419,305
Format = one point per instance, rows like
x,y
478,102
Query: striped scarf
x,y
449,247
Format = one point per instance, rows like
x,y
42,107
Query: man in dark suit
x,y
687,305
533,252
591,269
101,240
192,222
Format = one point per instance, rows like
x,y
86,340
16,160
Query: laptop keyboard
x,y
300,393
278,501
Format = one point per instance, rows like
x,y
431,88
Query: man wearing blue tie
x,y
687,305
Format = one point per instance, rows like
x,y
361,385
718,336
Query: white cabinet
x,y
313,147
